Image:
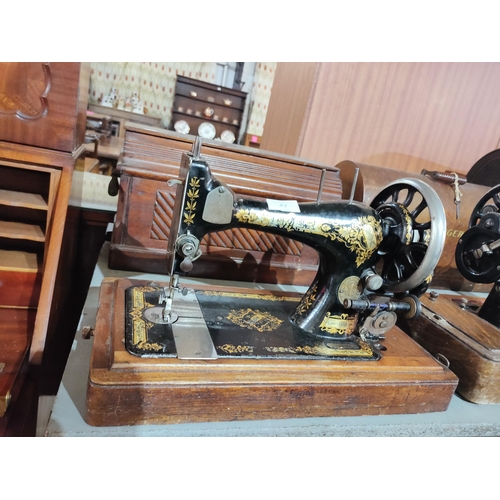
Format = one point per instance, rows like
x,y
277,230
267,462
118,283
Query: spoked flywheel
x,y
414,233
478,251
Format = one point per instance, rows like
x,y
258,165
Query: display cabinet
x,y
208,110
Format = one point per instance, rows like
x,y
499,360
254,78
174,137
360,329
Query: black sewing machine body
x,y
350,304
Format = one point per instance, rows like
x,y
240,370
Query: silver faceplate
x,y
191,335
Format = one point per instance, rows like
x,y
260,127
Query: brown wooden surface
x,y
16,328
152,157
22,85
471,345
20,278
20,288
52,259
126,390
402,115
20,199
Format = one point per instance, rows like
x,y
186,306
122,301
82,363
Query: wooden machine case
x,y
127,390
470,344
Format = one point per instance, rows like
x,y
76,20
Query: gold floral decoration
x,y
307,300
338,325
251,319
361,235
236,349
192,194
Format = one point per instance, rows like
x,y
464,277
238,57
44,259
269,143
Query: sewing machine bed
x,y
124,389
240,324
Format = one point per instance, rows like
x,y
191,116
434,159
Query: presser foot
x,y
213,324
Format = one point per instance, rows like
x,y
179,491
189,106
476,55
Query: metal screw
x,y
221,189
434,295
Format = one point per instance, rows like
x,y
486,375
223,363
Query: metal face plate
x,y
218,206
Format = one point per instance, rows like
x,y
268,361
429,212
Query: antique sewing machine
x,y
347,309
166,352
465,330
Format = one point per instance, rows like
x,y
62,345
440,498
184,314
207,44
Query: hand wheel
x,y
478,251
414,233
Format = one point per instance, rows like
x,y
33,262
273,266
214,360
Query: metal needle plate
x,y
191,335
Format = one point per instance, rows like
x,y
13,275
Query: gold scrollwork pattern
x,y
364,350
250,296
427,236
408,223
192,194
150,346
139,324
251,319
338,324
307,300
361,235
236,349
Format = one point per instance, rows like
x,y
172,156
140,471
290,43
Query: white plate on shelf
x,y
181,126
227,136
206,130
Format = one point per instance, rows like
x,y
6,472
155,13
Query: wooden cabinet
x,y
197,102
27,195
42,126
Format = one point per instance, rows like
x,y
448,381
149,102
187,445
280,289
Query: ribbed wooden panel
x,y
250,172
162,216
406,116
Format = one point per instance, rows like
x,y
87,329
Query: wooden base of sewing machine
x,y
468,342
124,389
